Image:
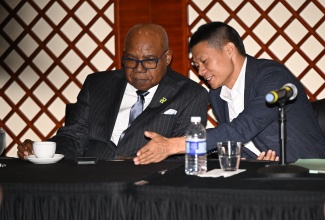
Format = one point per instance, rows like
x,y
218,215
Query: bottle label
x,y
196,147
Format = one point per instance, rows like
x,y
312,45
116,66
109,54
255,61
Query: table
x,y
121,190
243,196
68,191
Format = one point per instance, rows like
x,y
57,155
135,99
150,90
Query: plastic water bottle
x,y
2,140
195,156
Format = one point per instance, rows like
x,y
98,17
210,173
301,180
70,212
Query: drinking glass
x,y
229,155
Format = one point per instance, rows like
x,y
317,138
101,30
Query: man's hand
x,y
25,149
158,148
270,155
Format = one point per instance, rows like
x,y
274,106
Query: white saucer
x,y
36,160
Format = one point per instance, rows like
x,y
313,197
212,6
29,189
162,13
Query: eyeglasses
x,y
147,64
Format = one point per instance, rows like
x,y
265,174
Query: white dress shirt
x,y
129,98
235,98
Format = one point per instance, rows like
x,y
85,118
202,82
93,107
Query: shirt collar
x,y
238,89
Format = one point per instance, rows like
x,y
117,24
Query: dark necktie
x,y
136,109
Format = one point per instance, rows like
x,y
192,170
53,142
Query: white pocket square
x,y
170,112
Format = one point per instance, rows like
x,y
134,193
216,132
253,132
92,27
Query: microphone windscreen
x,y
269,98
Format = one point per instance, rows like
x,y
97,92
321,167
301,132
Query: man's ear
x,y
230,49
169,56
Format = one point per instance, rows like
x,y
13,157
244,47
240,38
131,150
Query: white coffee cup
x,y
44,149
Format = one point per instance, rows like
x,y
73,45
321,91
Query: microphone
x,y
287,92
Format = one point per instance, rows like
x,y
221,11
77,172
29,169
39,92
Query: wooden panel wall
x,y
170,14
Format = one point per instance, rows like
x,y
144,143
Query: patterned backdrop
x,y
48,47
291,32
47,50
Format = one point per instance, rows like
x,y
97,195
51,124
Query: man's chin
x,y
143,85
214,85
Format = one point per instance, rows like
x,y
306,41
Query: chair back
x,y
319,107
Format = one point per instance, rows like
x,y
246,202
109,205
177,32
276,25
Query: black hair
x,y
217,34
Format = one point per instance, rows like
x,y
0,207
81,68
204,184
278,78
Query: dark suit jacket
x,y
259,122
91,123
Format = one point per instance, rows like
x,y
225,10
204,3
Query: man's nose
x,y
201,70
140,68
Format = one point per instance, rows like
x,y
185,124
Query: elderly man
x,y
107,120
239,84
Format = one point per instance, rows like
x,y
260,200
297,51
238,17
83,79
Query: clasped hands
x,y
159,148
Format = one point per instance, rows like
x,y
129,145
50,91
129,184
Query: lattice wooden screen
x,y
47,50
291,32
48,47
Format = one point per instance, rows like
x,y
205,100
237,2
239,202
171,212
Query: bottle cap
x,y
195,119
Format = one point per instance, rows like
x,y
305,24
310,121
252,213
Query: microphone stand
x,y
283,132
283,169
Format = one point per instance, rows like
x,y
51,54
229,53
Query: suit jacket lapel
x,y
114,98
249,78
166,90
220,106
